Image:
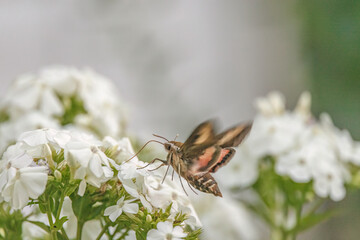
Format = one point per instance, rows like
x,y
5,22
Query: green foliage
x,y
90,206
10,222
282,200
3,116
331,40
73,106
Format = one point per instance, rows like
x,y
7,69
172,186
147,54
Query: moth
x,y
203,153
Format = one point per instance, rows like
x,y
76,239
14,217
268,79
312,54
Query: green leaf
x,y
41,225
59,223
313,219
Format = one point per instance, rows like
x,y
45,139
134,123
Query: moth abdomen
x,y
205,183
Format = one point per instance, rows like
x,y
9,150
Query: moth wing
x,y
203,134
211,160
233,136
204,152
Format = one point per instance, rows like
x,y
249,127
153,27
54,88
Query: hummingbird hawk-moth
x,y
203,153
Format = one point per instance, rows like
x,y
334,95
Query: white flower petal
x,y
110,210
165,227
34,138
50,103
95,166
82,188
21,161
20,196
131,208
114,215
34,179
154,234
178,232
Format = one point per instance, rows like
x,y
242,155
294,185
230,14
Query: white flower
x,y
123,149
329,180
11,130
44,136
303,107
89,163
242,170
224,218
275,135
166,231
40,100
126,206
31,93
303,149
133,169
138,190
18,180
274,104
346,148
296,164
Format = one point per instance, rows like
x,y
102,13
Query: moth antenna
x,y
192,188
161,137
181,181
143,148
176,137
165,174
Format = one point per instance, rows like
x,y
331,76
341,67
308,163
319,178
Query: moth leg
x,y
165,174
155,159
163,164
172,175
181,181
192,188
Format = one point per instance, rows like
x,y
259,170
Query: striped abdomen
x,y
205,183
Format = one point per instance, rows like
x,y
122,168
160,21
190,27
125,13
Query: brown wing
x,y
204,133
218,152
233,136
211,160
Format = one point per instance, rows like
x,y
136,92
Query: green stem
x,y
54,234
80,221
79,230
315,207
103,231
124,234
64,234
60,205
48,213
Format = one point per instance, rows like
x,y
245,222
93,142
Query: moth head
x,y
168,146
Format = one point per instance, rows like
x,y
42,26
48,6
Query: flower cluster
x,y
60,96
291,159
74,177
304,149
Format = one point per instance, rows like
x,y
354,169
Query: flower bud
x,y
148,218
57,174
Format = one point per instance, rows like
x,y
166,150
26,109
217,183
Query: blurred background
x,y
177,63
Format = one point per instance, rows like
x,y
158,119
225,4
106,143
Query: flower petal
x,y
165,227
114,215
34,180
110,210
82,188
131,208
154,234
178,232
